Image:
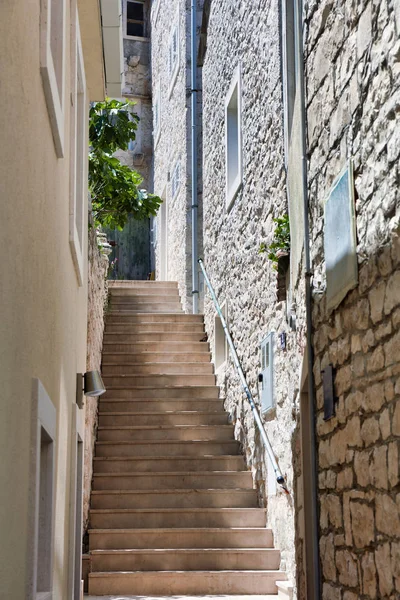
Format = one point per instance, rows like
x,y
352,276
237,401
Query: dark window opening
x,y
135,19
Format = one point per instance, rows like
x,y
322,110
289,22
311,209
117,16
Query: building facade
x,y
299,117
170,58
353,96
52,65
131,246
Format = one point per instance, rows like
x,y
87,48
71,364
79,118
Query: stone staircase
x,y
173,509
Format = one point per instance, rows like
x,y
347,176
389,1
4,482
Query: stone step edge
x,y
163,413
106,511
160,427
170,473
181,457
174,491
178,530
143,442
179,551
144,399
159,364
109,574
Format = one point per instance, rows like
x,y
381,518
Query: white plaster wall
x,y
43,311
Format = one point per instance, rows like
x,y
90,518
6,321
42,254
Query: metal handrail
x,y
278,473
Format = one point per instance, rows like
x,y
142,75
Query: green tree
x,y
114,187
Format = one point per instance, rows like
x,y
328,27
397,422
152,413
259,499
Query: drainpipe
x,y
308,274
195,278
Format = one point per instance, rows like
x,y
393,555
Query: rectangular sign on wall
x,y
340,243
267,372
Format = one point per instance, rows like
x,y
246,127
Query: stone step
x,y
146,291
157,368
162,418
171,517
159,405
143,307
203,537
187,559
165,433
167,448
169,347
155,297
173,583
115,284
155,381
211,498
197,392
156,318
151,358
155,336
180,481
154,327
167,465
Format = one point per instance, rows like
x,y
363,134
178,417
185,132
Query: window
x,y
157,115
176,178
78,149
173,56
233,139
52,66
220,343
289,55
155,9
135,18
267,372
41,489
163,246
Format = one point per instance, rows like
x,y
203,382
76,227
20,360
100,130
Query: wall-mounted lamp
x,y
91,384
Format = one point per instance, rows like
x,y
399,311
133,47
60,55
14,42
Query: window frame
x,y
154,11
157,110
176,168
54,97
289,69
220,340
76,503
231,190
173,70
43,426
145,20
78,152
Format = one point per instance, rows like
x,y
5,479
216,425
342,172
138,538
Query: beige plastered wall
x,y
42,309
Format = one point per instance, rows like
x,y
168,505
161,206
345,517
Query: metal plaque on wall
x,y
340,243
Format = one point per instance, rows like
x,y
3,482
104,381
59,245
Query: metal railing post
x,y
278,474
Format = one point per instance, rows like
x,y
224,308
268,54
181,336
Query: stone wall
x,y
173,143
97,298
353,101
248,33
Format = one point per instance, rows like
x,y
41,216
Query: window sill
x,y
137,38
233,192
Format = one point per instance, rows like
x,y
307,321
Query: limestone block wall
x,y
248,33
353,100
97,298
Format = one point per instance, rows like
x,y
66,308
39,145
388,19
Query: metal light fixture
x,y
91,384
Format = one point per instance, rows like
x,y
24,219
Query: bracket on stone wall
x,y
328,376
